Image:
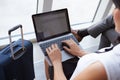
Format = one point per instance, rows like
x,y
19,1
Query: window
x,y
14,12
80,11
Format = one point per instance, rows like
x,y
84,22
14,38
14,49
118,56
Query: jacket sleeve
x,y
102,26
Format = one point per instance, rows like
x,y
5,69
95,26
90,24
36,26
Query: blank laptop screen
x,y
51,24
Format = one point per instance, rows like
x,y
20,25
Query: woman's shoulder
x,y
116,49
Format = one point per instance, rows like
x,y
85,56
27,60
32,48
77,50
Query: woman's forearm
x,y
58,72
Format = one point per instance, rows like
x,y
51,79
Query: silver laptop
x,y
53,27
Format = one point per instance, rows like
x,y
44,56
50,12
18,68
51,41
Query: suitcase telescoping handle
x,y
11,46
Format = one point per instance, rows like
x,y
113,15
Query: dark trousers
x,y
20,69
68,68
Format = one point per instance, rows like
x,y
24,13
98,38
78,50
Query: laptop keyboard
x,y
57,41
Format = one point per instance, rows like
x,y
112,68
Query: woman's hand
x,y
54,53
79,38
73,48
55,56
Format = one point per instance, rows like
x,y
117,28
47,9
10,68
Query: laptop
x,y
53,27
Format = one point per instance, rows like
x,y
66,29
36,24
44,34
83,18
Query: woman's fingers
x,y
47,50
51,48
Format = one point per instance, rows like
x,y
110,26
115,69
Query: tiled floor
x,y
89,44
38,63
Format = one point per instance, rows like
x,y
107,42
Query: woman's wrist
x,y
82,53
56,63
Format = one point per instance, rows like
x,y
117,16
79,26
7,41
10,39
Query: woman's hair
x,y
117,3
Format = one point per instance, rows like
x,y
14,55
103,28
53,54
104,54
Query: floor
x,y
38,63
88,43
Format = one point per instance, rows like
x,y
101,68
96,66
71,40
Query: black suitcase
x,y
16,59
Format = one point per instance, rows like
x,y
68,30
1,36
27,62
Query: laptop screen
x,y
51,24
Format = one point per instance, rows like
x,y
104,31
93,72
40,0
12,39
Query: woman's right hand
x,y
73,49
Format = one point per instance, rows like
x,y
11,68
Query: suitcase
x,y
16,59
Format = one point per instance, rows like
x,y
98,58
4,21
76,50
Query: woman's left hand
x,y
54,53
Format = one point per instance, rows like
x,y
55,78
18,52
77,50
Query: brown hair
x,y
117,3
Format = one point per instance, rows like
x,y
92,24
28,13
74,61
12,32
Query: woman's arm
x,y
95,71
55,57
46,70
73,49
58,72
